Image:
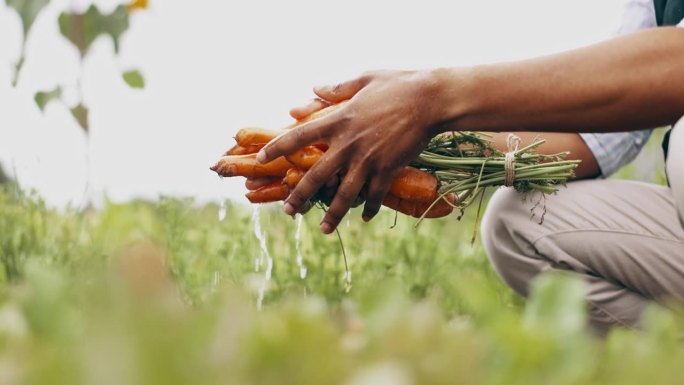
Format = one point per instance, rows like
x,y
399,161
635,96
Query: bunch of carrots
x,y
413,192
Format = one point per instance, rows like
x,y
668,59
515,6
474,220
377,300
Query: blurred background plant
x,y
144,293
81,29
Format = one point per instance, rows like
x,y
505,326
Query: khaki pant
x,y
624,238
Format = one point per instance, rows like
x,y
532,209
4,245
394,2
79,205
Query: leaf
x,y
82,29
80,112
44,98
134,79
28,11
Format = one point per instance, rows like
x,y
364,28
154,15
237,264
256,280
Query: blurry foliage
x,y
145,293
81,29
649,165
3,176
134,79
43,98
28,11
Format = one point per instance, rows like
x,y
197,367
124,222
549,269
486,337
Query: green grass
x,y
165,293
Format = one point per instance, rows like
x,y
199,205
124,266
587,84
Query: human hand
x,y
388,120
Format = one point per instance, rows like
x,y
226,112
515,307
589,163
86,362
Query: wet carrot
x,y
272,192
417,209
293,176
414,185
256,138
239,150
305,157
254,183
318,114
248,166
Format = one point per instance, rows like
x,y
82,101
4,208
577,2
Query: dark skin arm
x,y
556,142
628,83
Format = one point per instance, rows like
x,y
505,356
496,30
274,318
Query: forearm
x,y
557,142
628,83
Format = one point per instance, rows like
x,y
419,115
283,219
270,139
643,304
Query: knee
x,y
506,240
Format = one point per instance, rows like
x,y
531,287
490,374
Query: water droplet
x,y
222,211
347,281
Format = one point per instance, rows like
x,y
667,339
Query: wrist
x,y
455,96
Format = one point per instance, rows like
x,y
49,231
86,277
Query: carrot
x,y
239,150
247,165
254,183
272,192
305,157
256,138
293,176
318,114
414,185
417,209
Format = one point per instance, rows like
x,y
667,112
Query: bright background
x,y
214,66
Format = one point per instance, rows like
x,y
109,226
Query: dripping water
x,y
264,256
222,211
300,258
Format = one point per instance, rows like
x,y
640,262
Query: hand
x,y
387,122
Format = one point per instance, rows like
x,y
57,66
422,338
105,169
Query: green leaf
x,y
28,11
44,98
134,79
80,112
82,29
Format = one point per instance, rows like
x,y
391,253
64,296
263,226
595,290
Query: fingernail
x,y
261,156
289,209
326,228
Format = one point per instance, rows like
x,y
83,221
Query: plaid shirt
x,y
615,149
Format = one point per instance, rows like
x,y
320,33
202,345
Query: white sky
x,y
214,66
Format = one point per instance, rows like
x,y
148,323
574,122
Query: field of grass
x,y
166,293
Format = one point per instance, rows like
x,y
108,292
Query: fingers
x,y
254,183
342,91
302,112
316,177
344,199
307,133
377,190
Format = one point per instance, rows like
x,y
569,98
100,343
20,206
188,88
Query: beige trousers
x,y
624,238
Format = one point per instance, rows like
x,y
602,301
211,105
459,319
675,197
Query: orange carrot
x,y
272,192
292,178
256,138
247,165
417,209
239,150
318,114
305,157
414,185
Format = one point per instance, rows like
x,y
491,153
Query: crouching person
x,y
624,238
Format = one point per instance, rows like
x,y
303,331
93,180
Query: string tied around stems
x,y
513,144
